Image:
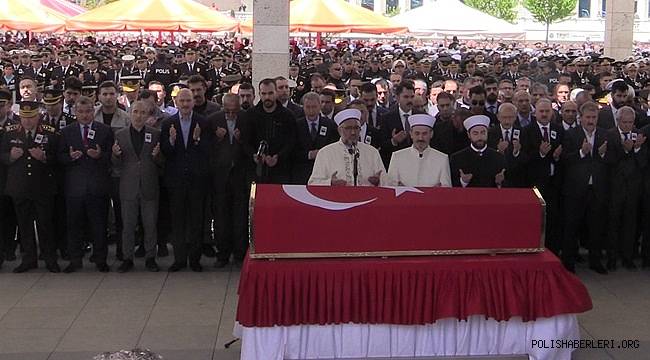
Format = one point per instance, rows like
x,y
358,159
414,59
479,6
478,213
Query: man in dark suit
x,y
477,165
585,188
375,113
506,139
542,144
627,157
191,66
29,152
367,134
645,245
284,97
84,151
202,106
271,124
185,143
607,115
136,155
231,175
314,132
443,127
395,126
64,70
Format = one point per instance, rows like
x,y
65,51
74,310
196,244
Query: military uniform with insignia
x,y
7,213
29,152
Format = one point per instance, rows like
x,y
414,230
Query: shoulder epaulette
x,y
14,127
48,128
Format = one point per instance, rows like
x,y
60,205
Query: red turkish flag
x,y
298,220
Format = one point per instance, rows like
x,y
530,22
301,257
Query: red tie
x,y
85,138
545,134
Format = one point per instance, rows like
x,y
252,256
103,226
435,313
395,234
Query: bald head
x,y
185,102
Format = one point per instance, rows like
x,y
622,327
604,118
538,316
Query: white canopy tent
x,y
447,18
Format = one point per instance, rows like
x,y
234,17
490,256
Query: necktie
x,y
313,131
507,137
407,126
491,109
30,137
85,138
191,68
545,133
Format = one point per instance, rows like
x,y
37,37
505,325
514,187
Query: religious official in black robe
x,y
477,165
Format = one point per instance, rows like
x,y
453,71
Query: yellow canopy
x,y
335,16
27,15
152,15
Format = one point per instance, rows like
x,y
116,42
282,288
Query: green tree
x,y
503,9
550,11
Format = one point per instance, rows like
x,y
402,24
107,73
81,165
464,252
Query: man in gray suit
x,y
136,154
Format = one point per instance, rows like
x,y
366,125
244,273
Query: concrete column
x,y
619,28
355,2
380,6
270,39
404,5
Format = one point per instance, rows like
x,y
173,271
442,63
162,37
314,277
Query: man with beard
x,y
607,115
284,96
492,95
348,162
585,188
420,165
443,127
271,136
395,125
369,97
246,94
198,86
477,165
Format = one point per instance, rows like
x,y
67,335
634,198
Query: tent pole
x,y
159,37
318,39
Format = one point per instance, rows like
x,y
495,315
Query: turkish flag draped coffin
x,y
323,221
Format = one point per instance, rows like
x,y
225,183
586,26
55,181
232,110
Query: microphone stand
x,y
354,151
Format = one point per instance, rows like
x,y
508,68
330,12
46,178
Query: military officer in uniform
x,y
28,150
7,214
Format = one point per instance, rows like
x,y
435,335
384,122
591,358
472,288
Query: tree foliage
x,y
550,11
503,9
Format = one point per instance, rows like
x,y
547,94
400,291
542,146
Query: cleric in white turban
x,y
348,161
420,164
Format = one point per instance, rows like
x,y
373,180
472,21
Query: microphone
x,y
262,149
354,151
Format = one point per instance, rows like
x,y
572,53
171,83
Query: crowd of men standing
x,y
142,145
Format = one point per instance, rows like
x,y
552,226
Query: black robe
x,y
483,167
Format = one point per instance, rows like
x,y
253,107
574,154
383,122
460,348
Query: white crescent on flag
x,y
301,194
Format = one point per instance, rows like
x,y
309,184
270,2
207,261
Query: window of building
x,y
584,8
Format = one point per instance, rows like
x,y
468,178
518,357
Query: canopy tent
x,y
28,15
63,7
446,18
335,16
152,15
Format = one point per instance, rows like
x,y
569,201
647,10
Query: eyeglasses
x,y
478,103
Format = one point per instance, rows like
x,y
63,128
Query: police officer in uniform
x,y
28,150
7,214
